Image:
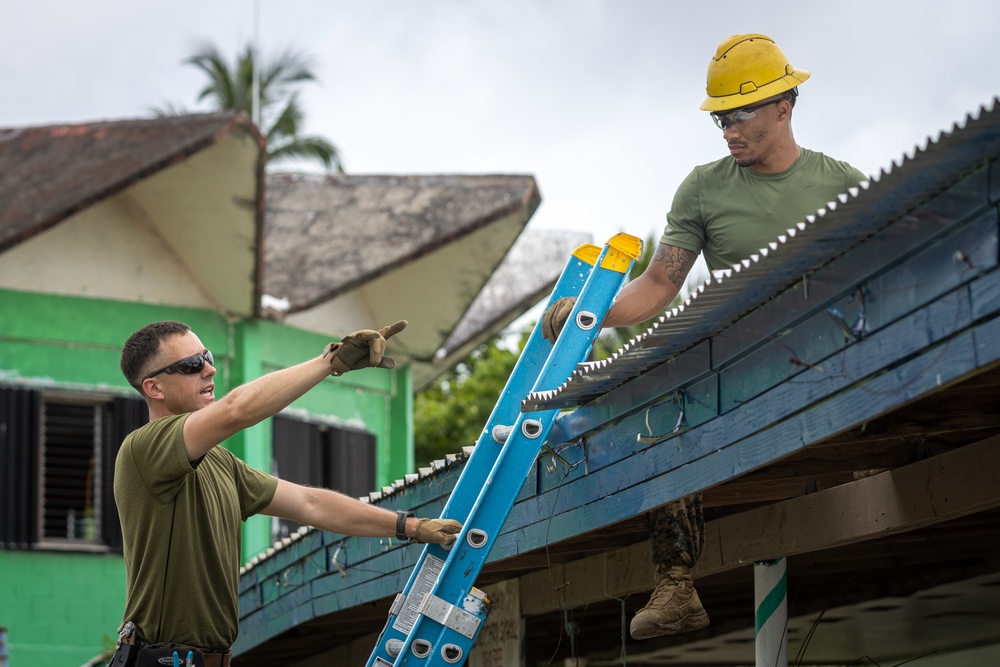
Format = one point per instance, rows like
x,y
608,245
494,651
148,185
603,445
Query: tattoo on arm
x,y
675,262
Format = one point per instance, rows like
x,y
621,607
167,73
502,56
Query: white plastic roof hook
x,y
678,397
860,327
335,562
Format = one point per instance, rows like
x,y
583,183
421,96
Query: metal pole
x,y
770,592
257,59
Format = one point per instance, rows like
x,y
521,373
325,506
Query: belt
x,y
218,659
213,658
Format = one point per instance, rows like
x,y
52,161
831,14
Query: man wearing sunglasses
x,y
182,499
727,210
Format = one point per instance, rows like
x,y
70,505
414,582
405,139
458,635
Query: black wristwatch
x,y
401,517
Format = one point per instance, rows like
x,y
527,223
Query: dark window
x,y
321,455
69,474
57,454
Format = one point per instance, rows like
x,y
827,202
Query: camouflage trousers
x,y
677,532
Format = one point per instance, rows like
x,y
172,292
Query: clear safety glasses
x,y
726,120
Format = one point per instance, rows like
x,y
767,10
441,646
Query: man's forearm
x,y
637,302
333,511
649,294
348,516
249,404
337,513
269,394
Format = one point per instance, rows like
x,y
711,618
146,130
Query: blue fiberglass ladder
x,y
437,617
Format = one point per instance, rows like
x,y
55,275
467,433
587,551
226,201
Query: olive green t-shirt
x,y
731,212
181,529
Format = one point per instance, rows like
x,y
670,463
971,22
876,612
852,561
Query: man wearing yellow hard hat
x,y
728,210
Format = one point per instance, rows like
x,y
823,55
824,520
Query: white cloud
x,y
598,98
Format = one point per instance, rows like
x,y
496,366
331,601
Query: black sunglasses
x,y
186,366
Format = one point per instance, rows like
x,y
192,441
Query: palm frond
x,y
221,84
310,148
230,86
289,69
287,123
169,109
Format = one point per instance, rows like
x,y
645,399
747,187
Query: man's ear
x,y
151,389
784,109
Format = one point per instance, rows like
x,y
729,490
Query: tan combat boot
x,y
673,608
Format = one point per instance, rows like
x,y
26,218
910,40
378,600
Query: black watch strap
x,y
401,517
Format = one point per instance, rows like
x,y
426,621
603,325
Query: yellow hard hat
x,y
748,69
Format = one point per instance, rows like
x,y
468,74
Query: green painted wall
x,y
400,455
57,606
71,340
254,444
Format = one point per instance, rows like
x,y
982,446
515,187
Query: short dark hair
x,y
142,346
791,95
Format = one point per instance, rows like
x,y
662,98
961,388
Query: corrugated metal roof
x,y
828,233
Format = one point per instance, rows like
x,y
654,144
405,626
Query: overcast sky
x,y
597,99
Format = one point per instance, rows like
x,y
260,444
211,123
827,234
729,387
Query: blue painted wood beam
x,y
890,371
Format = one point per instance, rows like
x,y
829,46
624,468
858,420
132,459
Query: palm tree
x,y
231,87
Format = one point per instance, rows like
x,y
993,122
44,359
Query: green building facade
x,y
147,221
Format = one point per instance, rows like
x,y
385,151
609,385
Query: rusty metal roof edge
x,y
750,283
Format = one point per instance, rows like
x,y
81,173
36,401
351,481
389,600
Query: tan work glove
x,y
437,531
555,316
362,349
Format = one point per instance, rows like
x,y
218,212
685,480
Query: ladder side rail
x,y
522,378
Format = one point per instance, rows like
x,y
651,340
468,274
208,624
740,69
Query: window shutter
x,y
297,458
297,451
126,415
350,461
18,467
321,455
